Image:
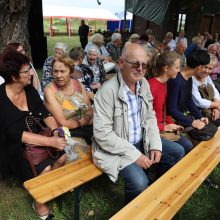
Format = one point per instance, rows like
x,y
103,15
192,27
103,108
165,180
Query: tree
x,y
14,22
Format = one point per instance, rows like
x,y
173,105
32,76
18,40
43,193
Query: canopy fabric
x,y
151,10
82,13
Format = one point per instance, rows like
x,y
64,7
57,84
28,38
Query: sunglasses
x,y
136,64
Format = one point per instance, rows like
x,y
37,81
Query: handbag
x,y
204,134
171,136
85,132
35,154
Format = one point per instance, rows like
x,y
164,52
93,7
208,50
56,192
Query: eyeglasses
x,y
136,64
26,71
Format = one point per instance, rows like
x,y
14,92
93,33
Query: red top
x,y
159,92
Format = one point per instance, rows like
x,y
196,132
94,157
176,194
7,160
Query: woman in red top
x,y
164,67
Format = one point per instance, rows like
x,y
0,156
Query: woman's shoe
x,y
48,216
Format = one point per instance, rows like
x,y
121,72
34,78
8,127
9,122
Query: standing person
x,y
166,66
180,104
83,34
126,137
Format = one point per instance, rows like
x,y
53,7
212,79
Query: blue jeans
x,y
136,178
186,143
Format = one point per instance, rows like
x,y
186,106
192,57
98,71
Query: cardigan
x,y
179,100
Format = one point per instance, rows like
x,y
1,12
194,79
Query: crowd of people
x,y
136,118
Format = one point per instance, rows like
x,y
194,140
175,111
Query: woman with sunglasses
x,y
164,67
19,102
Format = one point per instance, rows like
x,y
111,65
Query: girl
x,y
164,67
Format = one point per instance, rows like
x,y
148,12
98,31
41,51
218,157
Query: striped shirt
x,y
134,113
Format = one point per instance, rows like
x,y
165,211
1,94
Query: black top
x,y
179,100
12,125
83,31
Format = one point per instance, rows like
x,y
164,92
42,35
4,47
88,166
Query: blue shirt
x,y
134,113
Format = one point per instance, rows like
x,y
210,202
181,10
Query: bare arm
x,y
55,109
40,140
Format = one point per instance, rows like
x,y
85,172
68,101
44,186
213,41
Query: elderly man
x,y
180,49
114,46
126,137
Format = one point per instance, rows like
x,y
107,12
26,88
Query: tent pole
x,y
95,25
67,26
51,29
125,14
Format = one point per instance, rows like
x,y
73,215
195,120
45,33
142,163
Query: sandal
x,y
48,216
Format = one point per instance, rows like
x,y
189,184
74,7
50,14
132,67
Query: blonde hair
x,y
67,61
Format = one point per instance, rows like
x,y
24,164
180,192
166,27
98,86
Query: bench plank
x,y
54,183
168,194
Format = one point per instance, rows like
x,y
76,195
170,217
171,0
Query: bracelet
x,y
59,130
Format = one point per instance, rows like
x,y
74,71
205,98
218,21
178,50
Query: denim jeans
x,y
136,178
186,143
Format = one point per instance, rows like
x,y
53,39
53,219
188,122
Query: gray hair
x,y
115,36
93,48
97,38
63,46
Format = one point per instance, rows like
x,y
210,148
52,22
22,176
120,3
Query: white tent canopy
x,y
73,12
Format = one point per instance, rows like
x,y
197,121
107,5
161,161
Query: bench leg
x,y
76,203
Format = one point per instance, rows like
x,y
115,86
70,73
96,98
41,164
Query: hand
x,y
58,142
171,127
83,121
155,156
198,124
144,162
205,120
215,114
95,85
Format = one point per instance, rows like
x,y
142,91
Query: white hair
x,y
93,48
63,46
115,36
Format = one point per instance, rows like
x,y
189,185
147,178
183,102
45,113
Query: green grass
x,y
100,200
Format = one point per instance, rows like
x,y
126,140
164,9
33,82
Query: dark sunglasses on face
x,y
136,64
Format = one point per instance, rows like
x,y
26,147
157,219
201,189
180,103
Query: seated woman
x,y
19,48
205,94
82,72
97,76
166,66
59,50
67,99
98,41
20,100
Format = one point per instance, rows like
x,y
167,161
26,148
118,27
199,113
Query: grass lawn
x,y
101,198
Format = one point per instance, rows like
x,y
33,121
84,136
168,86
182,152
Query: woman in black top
x,y
18,99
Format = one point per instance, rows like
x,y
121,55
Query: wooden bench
x,y
67,178
167,195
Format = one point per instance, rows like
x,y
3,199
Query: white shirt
x,y
1,80
197,98
172,45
